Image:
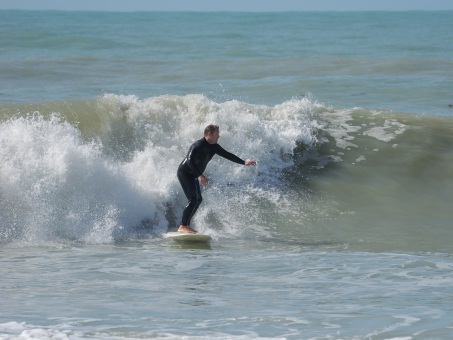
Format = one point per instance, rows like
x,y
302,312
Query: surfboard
x,y
185,237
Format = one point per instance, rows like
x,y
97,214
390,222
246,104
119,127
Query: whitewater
x,y
343,230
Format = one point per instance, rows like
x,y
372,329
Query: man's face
x,y
213,138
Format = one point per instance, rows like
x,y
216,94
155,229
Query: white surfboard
x,y
177,236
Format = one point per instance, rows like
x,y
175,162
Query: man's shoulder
x,y
217,148
198,142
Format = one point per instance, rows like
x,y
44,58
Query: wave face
x,y
104,170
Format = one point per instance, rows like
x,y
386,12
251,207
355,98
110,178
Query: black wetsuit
x,y
193,166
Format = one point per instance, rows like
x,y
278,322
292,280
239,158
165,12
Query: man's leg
x,y
191,188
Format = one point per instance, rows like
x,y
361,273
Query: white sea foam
x,y
93,184
105,169
387,132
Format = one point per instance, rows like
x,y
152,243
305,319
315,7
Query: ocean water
x,y
344,229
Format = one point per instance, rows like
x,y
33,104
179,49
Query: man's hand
x,y
250,162
203,180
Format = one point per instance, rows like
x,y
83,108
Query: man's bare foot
x,y
186,229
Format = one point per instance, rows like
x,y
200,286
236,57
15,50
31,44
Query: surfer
x,y
190,171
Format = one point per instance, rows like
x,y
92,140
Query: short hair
x,y
210,129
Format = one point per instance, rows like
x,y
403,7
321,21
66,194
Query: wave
x,y
104,170
86,170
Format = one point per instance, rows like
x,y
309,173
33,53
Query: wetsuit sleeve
x,y
228,155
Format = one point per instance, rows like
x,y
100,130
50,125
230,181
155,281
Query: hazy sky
x,y
228,5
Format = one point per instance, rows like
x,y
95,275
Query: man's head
x,y
212,134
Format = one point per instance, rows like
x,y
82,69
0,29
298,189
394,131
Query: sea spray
x,y
101,176
103,170
56,185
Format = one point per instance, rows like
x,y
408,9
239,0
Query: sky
x,y
227,5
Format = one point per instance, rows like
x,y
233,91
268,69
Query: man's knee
x,y
197,199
